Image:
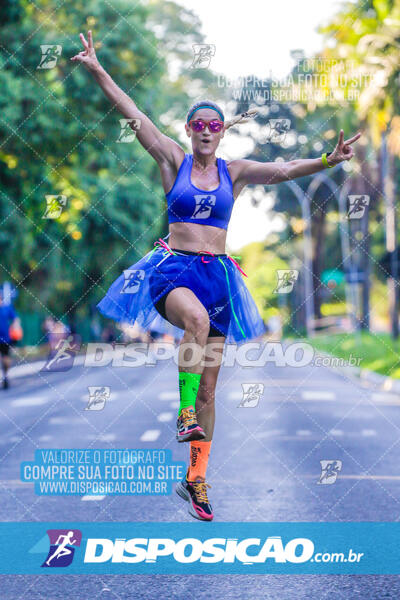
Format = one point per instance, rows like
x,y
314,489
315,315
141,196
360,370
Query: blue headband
x,y
205,106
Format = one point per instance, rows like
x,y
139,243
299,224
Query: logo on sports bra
x,y
204,204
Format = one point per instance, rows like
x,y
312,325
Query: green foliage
x,y
60,137
377,352
261,267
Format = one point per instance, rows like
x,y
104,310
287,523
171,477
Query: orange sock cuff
x,y
199,453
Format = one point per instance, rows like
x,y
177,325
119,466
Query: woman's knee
x,y
197,322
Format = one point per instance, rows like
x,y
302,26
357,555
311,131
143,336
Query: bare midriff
x,y
197,238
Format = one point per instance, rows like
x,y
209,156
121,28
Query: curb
x,y
387,384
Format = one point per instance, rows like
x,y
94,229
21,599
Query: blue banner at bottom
x,y
171,548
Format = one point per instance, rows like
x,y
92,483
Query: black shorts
x,y
160,306
4,348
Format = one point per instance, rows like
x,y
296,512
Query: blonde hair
x,y
244,117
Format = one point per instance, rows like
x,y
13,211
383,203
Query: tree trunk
x,y
363,184
388,169
318,226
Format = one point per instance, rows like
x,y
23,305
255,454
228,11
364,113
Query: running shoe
x,y
195,492
187,427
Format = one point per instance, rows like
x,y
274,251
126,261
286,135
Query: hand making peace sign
x,y
88,56
343,150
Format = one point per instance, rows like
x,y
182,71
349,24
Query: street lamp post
x,y
305,198
308,270
391,241
349,267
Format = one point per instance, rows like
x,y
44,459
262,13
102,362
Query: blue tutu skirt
x,y
216,280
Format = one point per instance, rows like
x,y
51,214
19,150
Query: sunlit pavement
x,y
264,466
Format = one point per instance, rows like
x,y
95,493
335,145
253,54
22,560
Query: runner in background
x,y
55,331
8,318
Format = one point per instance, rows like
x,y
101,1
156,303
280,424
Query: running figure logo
x,y
298,56
129,127
62,358
62,547
97,397
133,279
357,206
278,129
329,471
202,55
252,393
204,204
50,55
54,206
286,280
216,310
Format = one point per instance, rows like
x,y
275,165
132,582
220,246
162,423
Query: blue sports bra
x,y
188,204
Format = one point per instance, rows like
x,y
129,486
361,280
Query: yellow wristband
x,y
325,161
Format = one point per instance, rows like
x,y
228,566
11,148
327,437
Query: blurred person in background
x,y
109,334
55,331
8,321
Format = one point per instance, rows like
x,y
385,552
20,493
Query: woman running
x,y
191,281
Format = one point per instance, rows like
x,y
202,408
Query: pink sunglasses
x,y
215,125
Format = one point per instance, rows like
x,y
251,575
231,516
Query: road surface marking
x,y
235,395
104,437
65,421
164,417
45,438
175,404
336,432
92,498
317,395
27,369
368,432
340,476
170,395
30,401
298,438
151,435
377,397
303,432
269,433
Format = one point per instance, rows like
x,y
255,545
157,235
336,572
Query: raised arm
x,y
161,147
252,171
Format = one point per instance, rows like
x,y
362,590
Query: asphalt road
x,y
264,466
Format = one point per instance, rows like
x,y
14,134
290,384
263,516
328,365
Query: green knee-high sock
x,y
188,388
